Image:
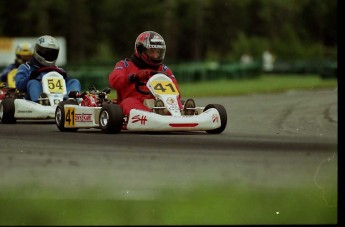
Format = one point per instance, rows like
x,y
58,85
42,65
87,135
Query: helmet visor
x,y
47,53
155,54
23,57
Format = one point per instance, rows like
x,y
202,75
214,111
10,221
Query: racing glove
x,y
142,75
34,74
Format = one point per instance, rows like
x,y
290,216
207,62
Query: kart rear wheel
x,y
111,119
223,118
7,111
60,116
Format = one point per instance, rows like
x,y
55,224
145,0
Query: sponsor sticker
x,y
138,118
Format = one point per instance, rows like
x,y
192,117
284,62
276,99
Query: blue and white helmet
x,y
46,50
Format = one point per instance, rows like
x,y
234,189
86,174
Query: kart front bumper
x,y
139,120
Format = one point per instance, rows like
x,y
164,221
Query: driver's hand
x,y
34,74
143,75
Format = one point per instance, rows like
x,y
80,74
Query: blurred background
x,y
206,39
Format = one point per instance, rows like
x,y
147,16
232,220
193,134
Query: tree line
x,y
99,31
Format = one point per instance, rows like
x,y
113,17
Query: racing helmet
x,y
46,50
24,52
150,48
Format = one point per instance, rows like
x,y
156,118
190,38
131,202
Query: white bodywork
x,y
167,92
139,120
54,86
25,109
81,116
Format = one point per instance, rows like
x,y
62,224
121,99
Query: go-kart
x,y
107,115
13,104
9,83
8,88
82,111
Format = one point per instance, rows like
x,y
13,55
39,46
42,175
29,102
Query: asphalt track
x,y
271,140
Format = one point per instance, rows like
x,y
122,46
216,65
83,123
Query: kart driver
x,y
149,52
24,52
29,75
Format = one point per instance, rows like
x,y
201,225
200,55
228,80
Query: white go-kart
x,y
72,115
13,108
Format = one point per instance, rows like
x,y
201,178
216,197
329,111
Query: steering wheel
x,y
34,74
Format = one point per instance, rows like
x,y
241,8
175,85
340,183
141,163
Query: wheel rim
x,y
1,112
104,118
58,116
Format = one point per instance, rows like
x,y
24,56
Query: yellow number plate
x,y
55,86
69,117
164,87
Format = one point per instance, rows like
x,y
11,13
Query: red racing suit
x,y
127,96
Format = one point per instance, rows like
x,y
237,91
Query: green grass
x,y
262,84
222,205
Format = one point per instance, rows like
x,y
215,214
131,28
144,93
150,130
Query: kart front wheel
x,y
60,116
223,118
7,111
111,119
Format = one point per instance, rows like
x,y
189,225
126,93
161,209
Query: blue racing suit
x,y
29,76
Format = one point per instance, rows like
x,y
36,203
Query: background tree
x,y
195,30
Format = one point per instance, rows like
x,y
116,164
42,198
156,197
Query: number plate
x,y
55,86
69,117
164,87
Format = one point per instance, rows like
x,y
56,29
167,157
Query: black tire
x,y
223,118
111,119
7,111
60,116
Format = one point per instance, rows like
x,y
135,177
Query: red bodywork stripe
x,y
184,125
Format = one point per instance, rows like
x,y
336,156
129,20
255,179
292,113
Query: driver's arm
x,y
118,78
22,77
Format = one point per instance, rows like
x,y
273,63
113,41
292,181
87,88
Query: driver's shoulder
x,y
25,66
165,68
125,62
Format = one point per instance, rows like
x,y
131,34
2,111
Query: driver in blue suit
x,y
29,75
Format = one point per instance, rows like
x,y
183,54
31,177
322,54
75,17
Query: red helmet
x,y
150,48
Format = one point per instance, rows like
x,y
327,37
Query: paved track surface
x,y
275,140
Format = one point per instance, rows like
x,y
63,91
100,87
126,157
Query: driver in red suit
x,y
149,52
